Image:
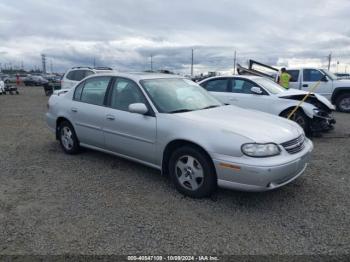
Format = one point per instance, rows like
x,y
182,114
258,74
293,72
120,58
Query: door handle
x,y
110,117
305,85
233,99
74,109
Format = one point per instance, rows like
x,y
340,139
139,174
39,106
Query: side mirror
x,y
138,108
324,78
256,90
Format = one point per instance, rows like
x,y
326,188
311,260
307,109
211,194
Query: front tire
x,y
343,103
300,118
192,172
68,139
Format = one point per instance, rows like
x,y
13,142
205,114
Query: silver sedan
x,y
172,124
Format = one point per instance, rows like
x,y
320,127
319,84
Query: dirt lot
x,y
93,203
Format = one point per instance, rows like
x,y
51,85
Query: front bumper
x,y
267,174
322,121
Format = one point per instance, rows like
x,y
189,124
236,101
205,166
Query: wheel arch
x,y
338,91
174,144
308,113
59,120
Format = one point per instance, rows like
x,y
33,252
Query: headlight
x,y
260,150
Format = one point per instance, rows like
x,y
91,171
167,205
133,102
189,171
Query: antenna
x,y
192,62
234,63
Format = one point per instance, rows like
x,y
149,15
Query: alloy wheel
x,y
67,138
189,172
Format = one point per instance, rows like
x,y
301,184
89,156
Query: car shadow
x,y
152,178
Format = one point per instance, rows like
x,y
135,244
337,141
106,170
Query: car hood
x,y
290,93
255,125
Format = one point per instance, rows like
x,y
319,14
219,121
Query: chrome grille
x,y
294,146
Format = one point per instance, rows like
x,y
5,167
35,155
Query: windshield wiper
x,y
180,111
212,106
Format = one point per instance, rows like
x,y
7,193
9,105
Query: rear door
x,y
127,133
219,87
88,110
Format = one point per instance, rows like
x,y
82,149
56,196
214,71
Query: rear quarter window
x,y
71,75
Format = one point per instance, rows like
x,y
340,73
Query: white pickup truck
x,y
335,89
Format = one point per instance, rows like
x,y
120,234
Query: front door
x,y
127,133
244,97
310,79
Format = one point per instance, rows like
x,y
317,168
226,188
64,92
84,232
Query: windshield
x,y
270,86
178,95
329,74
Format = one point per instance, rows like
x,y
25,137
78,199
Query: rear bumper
x,y
262,178
51,122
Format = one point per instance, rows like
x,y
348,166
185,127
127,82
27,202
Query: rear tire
x,y
68,139
192,172
343,103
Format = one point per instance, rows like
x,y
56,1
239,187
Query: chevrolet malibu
x,y
174,125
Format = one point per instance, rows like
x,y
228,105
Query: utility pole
x,y
94,62
192,62
51,67
329,61
337,65
43,60
234,63
151,63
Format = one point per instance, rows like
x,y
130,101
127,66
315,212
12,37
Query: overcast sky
x,y
125,33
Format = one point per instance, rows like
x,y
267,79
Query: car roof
x,y
137,76
233,76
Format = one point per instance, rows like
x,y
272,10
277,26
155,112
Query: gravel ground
x,y
93,203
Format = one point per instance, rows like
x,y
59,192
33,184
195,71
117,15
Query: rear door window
x,y
94,90
77,91
216,85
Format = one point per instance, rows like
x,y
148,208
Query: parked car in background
x,y
11,79
173,124
76,74
263,94
54,83
2,87
35,80
335,89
